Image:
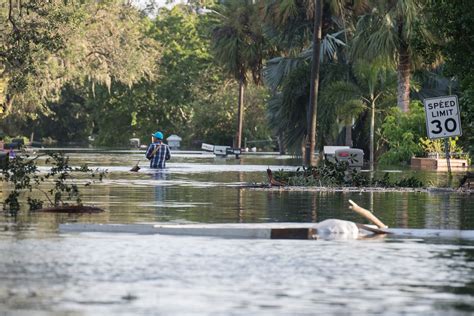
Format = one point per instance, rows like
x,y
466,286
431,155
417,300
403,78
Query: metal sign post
x,y
443,120
446,149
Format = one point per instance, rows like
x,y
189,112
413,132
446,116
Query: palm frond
x,y
329,45
277,69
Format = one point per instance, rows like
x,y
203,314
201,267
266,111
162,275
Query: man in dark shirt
x,y
158,152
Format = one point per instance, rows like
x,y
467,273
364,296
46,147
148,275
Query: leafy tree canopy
x,y
46,44
454,22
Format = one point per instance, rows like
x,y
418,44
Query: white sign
x,y
207,147
442,117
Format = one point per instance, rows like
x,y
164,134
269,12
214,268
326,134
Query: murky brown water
x,y
56,273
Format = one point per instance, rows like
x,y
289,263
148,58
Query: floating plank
x,y
437,233
258,231
293,233
214,231
108,228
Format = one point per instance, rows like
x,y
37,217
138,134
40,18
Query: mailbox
x,y
353,156
135,142
174,141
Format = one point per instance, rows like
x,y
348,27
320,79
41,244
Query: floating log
x,y
372,229
70,209
272,181
367,214
136,167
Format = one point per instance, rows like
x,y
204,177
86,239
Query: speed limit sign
x,y
442,117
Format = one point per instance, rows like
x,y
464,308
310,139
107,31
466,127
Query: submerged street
x,y
107,273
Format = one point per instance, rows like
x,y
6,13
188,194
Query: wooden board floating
x,y
256,231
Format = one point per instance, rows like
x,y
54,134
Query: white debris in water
x,y
337,229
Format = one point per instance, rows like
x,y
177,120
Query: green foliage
x,y
113,113
31,33
401,133
329,174
190,98
214,121
467,118
287,109
47,44
69,69
326,174
387,182
404,135
239,47
387,32
238,43
23,173
70,119
370,87
452,20
438,145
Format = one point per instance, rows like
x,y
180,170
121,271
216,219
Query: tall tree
x,y
238,45
453,21
387,31
30,33
314,84
47,44
371,88
297,25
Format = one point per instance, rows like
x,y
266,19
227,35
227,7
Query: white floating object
x,y
328,229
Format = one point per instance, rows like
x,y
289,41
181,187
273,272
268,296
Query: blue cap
x,y
158,135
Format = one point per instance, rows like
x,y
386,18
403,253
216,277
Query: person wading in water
x,y
158,152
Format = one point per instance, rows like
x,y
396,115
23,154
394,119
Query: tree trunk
x,y
240,114
348,136
7,108
372,135
281,145
313,95
404,71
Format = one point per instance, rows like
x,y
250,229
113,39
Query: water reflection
x,y
98,273
160,190
200,188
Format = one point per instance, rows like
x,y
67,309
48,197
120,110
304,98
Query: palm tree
x,y
371,88
288,18
238,46
295,24
387,32
287,108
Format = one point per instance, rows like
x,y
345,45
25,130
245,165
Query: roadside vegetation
x,y
329,174
58,188
102,72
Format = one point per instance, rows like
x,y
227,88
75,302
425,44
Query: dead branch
x,y
367,214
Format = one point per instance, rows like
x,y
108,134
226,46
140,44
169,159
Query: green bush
x,y
24,178
338,174
401,133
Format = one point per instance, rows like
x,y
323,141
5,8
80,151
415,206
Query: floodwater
x,y
46,272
